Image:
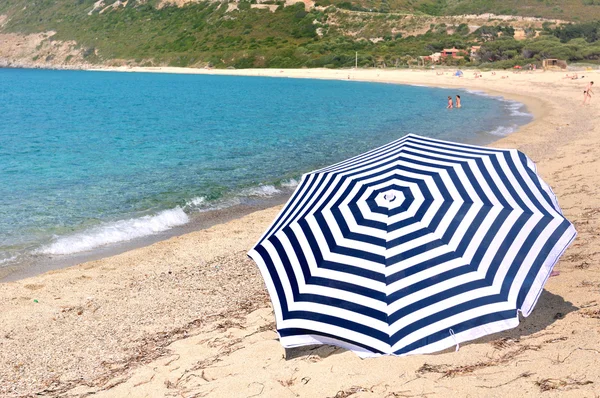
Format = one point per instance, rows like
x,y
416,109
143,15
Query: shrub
x,y
245,62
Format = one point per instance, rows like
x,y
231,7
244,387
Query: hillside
x,y
325,33
571,10
35,14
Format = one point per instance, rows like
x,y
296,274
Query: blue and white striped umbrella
x,y
412,248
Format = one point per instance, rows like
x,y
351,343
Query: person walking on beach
x,y
458,101
450,106
587,93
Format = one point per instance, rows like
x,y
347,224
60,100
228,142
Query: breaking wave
x,y
114,232
516,108
261,191
503,131
7,260
290,184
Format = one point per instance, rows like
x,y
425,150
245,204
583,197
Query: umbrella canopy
x,y
411,248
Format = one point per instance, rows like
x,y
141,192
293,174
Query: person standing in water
x,y
587,93
450,106
458,101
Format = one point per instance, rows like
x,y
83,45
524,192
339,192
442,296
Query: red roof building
x,y
452,52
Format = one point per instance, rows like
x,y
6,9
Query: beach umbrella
x,y
411,248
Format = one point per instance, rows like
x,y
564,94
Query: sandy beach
x,y
190,316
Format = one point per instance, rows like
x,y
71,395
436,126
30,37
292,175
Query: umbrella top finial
x,y
389,196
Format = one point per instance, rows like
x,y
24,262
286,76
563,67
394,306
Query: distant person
x,y
587,93
450,106
458,101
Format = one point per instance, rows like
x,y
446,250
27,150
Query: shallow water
x,y
89,159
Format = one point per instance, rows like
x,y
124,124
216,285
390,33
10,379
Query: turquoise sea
x,y
91,159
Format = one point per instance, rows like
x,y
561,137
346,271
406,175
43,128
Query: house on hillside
x,y
474,53
435,57
432,59
452,52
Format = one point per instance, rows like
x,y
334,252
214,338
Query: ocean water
x,y
90,159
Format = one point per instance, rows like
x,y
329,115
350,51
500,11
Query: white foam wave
x,y
519,113
515,108
292,183
477,92
118,231
7,260
503,131
261,190
197,204
200,204
484,94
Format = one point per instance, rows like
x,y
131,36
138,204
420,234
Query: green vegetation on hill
x,y
208,34
570,10
583,10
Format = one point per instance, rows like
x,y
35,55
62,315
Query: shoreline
x,y
190,315
373,76
42,263
198,222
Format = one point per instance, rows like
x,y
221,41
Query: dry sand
x,y
190,317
